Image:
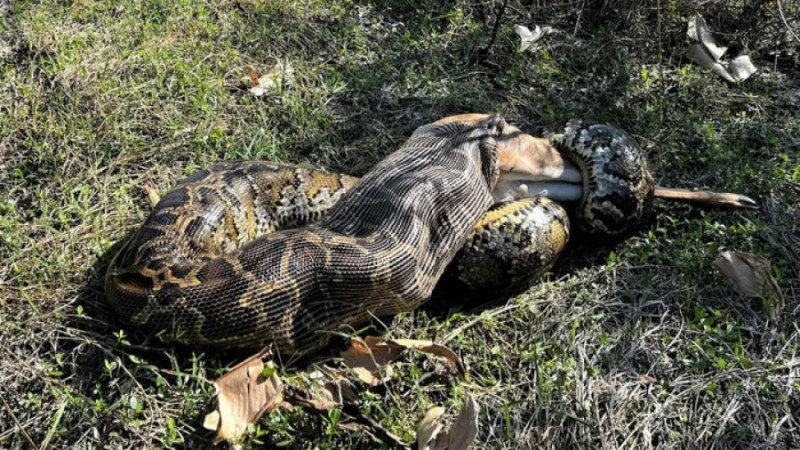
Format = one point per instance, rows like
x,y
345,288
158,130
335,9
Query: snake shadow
x,y
583,251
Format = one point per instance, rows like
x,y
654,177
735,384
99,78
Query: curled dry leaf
x,y
646,379
329,389
432,348
699,32
742,67
369,358
465,430
698,54
748,274
432,436
430,432
529,37
705,52
243,395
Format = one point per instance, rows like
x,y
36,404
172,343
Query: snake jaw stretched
x,y
509,189
618,186
532,167
528,167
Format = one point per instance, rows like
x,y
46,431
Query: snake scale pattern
x,y
246,254
619,186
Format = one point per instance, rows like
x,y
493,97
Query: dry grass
x,y
636,344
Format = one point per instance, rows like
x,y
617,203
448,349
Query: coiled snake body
x,y
249,253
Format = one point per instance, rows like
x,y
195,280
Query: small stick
x,y
496,27
19,425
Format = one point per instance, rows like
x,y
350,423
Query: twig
x,y
496,28
785,22
19,425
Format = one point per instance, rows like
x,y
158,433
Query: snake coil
x,y
248,253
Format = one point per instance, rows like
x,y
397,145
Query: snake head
x,y
617,184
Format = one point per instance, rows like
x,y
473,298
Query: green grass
x,y
99,99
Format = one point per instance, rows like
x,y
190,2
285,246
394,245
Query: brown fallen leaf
x,y
252,74
463,433
279,75
430,430
751,275
243,395
708,54
748,274
646,379
369,358
329,389
432,436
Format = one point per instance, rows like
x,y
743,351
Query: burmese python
x,y
249,253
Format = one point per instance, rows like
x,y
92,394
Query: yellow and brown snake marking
x,y
511,246
245,254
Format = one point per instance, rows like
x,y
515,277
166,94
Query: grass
x,y
634,344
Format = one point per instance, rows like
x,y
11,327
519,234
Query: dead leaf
x,y
252,74
330,389
461,436
440,443
749,274
370,358
287,406
699,55
646,379
279,75
432,348
243,395
430,429
698,31
529,37
742,67
705,52
465,430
